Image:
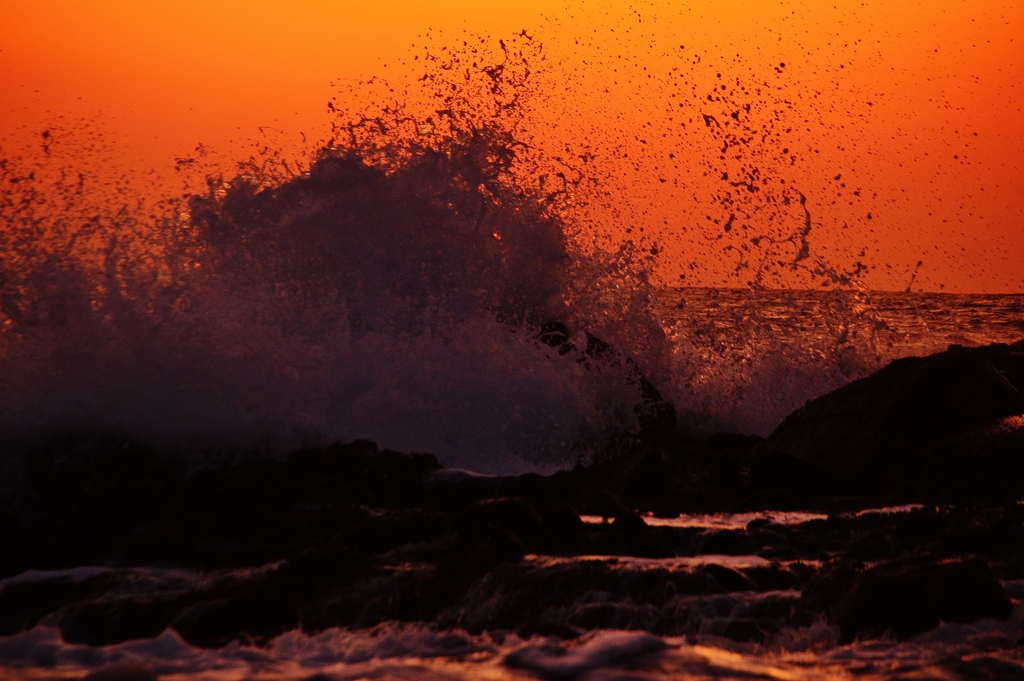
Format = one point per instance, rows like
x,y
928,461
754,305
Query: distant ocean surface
x,y
905,323
745,358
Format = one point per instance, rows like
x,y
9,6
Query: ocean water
x,y
748,357
986,649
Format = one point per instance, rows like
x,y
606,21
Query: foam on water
x,y
414,652
675,563
735,521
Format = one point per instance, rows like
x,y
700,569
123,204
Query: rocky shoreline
x,y
352,536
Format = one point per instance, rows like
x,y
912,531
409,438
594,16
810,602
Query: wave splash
x,y
395,289
431,278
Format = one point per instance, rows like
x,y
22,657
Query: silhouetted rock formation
x,y
922,426
656,416
907,596
349,535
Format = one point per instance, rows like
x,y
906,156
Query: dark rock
x,y
111,621
101,479
453,490
646,478
726,578
829,586
729,446
591,616
725,457
362,473
561,517
614,649
984,668
556,334
912,596
744,630
84,495
629,523
351,536
256,617
602,503
122,671
774,499
24,604
778,578
656,415
982,464
513,514
876,433
650,476
727,543
772,469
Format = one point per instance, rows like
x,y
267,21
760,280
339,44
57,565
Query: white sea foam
x,y
720,521
889,510
735,521
414,652
740,562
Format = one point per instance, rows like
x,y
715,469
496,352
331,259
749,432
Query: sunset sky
x,y
900,122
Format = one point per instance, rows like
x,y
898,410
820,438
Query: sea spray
x,y
394,290
396,284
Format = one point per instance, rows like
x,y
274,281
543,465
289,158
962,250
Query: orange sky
x,y
915,106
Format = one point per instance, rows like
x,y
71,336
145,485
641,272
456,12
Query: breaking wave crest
x,y
396,289
427,279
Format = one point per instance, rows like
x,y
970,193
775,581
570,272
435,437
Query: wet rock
x,y
656,415
362,473
601,502
727,579
122,671
255,617
774,499
984,464
562,518
350,535
453,490
629,523
829,586
776,577
647,478
878,433
744,630
102,479
110,621
651,476
772,470
513,514
606,649
85,495
727,543
24,604
912,596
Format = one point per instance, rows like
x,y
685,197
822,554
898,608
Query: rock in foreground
x,y
939,426
352,536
